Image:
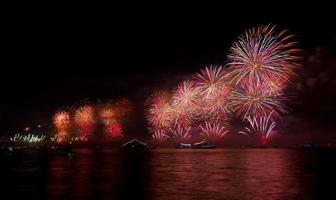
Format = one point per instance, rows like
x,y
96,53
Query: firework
x,y
159,136
62,123
122,108
114,130
213,131
251,101
214,92
263,56
16,138
261,127
84,118
186,96
108,115
215,110
30,138
211,82
180,134
160,113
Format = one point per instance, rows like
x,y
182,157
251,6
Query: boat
x,y
183,146
203,145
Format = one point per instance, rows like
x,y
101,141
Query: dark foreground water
x,y
172,174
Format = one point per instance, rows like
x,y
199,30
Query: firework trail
x,y
261,127
62,123
84,118
213,131
256,101
159,136
264,57
180,134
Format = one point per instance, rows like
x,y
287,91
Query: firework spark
x,y
261,127
262,56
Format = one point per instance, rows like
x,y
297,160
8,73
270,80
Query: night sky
x,y
57,58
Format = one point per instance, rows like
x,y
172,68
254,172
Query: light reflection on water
x,y
172,174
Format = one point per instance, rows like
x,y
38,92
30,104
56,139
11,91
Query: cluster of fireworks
x,y
30,138
261,64
81,123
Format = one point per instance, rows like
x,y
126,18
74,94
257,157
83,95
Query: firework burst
x,y
62,123
159,136
84,118
180,133
251,101
211,82
213,131
114,130
261,127
160,111
186,96
263,56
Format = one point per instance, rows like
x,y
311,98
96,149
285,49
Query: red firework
x,y
114,130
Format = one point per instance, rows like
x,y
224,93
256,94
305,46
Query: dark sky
x,y
58,57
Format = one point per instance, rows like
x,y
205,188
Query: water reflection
x,y
98,175
172,174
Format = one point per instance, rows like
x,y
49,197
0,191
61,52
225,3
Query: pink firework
x,y
160,111
186,96
213,131
180,134
159,137
264,57
84,118
211,82
261,127
256,101
62,123
216,110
